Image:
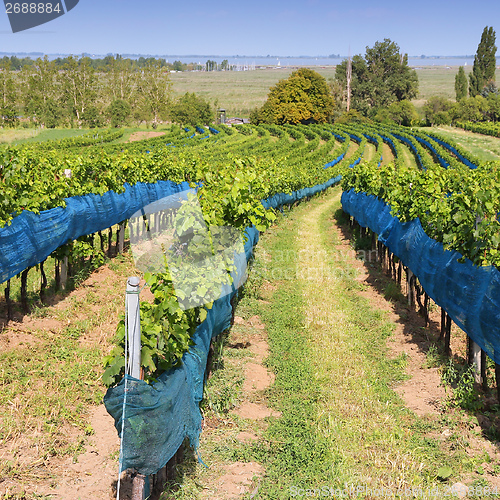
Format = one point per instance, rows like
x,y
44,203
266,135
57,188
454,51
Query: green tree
x,y
119,112
380,78
191,110
460,84
493,100
304,97
155,89
80,86
437,111
122,80
41,93
403,113
472,109
8,96
483,70
178,66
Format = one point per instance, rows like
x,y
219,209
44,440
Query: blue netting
x,y
31,238
464,160
334,162
412,147
469,294
429,146
280,199
160,416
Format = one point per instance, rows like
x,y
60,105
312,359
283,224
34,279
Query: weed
x,y
433,358
392,292
461,378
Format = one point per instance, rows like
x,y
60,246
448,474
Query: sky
x,y
258,27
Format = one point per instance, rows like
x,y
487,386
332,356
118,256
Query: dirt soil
x,y
89,475
139,136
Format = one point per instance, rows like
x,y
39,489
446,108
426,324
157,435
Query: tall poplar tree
x,y
483,71
460,84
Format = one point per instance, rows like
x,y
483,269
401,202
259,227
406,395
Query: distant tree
x,y
337,93
352,116
41,93
122,82
380,78
92,117
483,70
8,96
80,86
437,111
493,107
403,113
178,66
472,109
155,89
489,88
211,65
119,111
304,97
191,109
460,84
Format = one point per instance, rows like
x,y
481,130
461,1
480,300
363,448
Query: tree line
x,y
379,86
76,93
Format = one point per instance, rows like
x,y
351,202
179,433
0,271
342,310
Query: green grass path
x,y
342,423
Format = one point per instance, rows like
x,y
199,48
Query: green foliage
x,y
304,97
460,84
471,109
437,111
119,111
447,201
191,109
379,79
483,71
461,378
352,116
166,332
404,113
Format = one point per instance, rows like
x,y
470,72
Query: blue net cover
x,y
468,293
158,417
31,238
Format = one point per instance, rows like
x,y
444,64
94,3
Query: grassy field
x,y
19,136
236,91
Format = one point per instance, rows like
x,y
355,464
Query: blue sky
x,y
292,27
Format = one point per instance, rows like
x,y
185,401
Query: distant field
x,y
20,135
484,147
241,91
236,91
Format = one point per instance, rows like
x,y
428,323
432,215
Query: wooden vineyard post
x,y
138,487
121,237
476,360
110,242
64,272
409,287
447,335
10,314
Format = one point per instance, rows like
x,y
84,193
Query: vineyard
x,y
428,208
